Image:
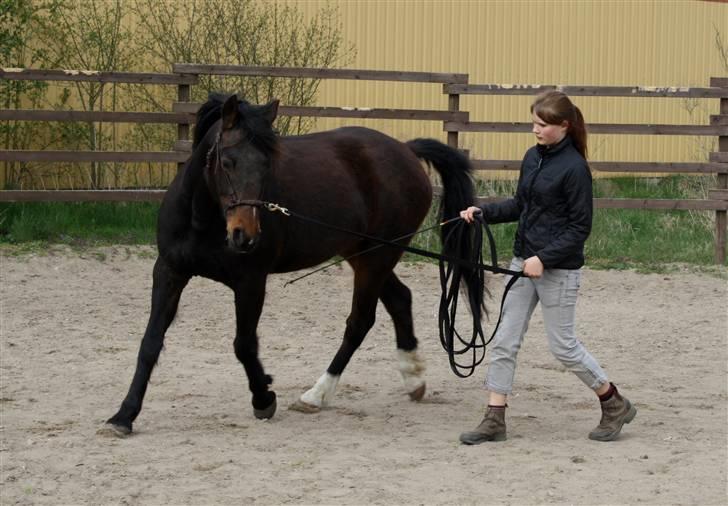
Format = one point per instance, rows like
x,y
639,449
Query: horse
x,y
228,215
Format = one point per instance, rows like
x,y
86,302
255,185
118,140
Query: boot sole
x,y
631,413
475,440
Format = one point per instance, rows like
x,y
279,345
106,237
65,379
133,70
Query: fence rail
x,y
346,112
10,155
586,91
82,195
93,116
314,73
594,128
454,120
637,167
16,74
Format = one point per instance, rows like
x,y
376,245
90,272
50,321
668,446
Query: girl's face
x,y
547,134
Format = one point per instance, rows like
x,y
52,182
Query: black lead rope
x,y
450,279
362,252
450,283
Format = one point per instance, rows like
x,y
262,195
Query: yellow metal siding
x,y
589,42
642,42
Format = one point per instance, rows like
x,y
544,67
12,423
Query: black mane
x,y
253,121
207,115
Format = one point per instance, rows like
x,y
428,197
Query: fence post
x,y
453,104
183,129
721,216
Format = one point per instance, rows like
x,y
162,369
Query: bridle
x,y
235,201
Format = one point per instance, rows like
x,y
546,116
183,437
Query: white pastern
x,y
322,392
411,366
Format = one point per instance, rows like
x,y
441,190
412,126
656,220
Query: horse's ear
x,y
230,112
270,110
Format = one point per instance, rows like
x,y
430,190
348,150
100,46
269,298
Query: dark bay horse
x,y
216,221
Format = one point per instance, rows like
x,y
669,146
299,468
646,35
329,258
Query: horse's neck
x,y
205,211
188,204
193,173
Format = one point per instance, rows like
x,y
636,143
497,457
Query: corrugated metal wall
x,y
592,42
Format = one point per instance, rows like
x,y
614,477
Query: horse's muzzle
x,y
240,242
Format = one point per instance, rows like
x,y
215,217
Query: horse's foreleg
x,y
361,319
248,307
166,291
397,299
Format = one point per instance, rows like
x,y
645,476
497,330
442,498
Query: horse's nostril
x,y
240,241
238,237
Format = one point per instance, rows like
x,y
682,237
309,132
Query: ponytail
x,y
577,132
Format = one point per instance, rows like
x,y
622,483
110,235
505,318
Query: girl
x,y
553,208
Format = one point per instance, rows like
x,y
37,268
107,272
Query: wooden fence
x,y
454,122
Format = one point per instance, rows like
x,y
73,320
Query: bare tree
x,y
21,21
244,32
88,35
149,35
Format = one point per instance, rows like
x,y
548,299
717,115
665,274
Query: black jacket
x,y
552,204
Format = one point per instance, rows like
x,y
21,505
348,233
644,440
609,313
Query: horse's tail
x,y
458,194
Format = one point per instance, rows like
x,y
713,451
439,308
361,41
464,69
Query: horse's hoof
x,y
114,430
418,394
266,413
304,407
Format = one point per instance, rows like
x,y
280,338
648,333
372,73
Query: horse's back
x,y
354,178
357,164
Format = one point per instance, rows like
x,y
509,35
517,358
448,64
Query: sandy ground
x,y
71,325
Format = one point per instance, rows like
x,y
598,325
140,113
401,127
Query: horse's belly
x,y
305,258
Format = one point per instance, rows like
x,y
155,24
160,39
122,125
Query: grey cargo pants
x,y
557,291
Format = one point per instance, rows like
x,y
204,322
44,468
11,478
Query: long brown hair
x,y
555,107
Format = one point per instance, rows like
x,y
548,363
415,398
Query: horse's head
x,y
240,167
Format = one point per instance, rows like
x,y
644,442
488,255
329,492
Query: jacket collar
x,y
553,148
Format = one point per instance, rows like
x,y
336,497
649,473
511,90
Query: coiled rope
x,y
451,284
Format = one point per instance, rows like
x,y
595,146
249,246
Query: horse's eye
x,y
227,164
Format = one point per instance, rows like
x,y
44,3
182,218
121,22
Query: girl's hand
x,y
469,214
533,267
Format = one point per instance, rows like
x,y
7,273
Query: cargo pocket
x,y
573,282
571,287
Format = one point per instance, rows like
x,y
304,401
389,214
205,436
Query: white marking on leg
x,y
322,392
411,366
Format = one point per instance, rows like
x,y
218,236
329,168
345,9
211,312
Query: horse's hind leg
x,y
397,299
166,291
367,287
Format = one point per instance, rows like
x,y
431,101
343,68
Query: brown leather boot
x,y
615,413
492,428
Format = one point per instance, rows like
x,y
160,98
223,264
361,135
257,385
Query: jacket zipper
x,y
528,202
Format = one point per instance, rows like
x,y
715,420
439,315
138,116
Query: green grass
x,y
621,238
649,237
78,223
